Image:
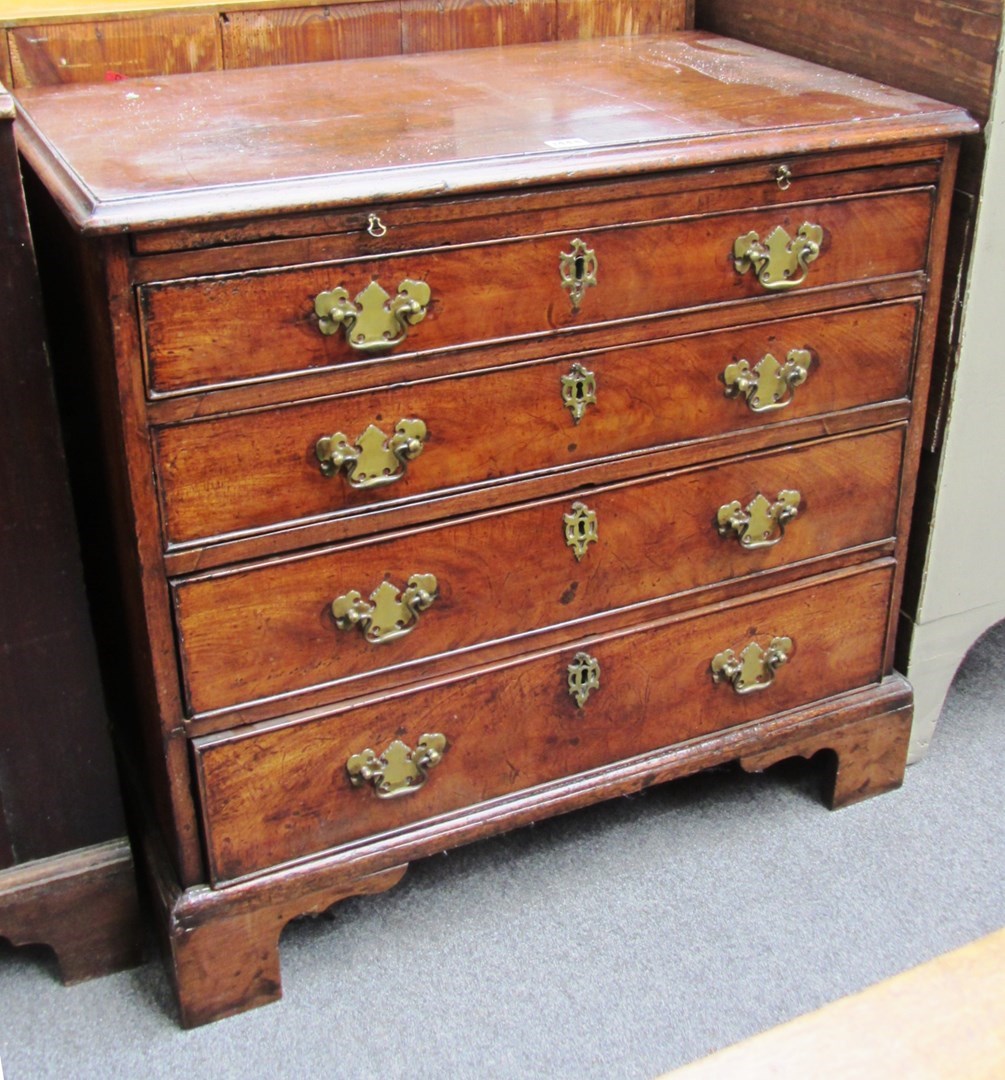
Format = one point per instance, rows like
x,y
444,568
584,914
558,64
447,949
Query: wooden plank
x,y
621,18
306,34
941,48
14,12
944,1018
92,52
435,25
5,74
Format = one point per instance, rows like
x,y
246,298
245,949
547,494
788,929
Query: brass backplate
x,y
768,385
754,668
781,261
390,613
399,770
374,321
760,523
373,459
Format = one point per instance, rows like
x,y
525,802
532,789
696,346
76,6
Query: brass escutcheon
x,y
399,770
579,390
584,677
769,384
580,528
389,614
781,262
577,270
783,177
754,669
375,227
374,459
761,523
374,321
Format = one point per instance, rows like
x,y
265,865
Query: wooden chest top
x,y
241,144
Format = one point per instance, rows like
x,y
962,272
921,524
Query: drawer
x,y
266,630
219,329
494,425
275,792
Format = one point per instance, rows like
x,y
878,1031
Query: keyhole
x,y
580,268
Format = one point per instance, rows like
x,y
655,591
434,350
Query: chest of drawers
x,y
490,435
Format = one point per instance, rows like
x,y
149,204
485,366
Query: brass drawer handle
x,y
754,669
583,677
781,262
580,528
374,321
760,523
390,613
374,459
577,270
579,390
399,770
768,385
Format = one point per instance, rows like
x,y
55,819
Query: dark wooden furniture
x,y
66,872
491,436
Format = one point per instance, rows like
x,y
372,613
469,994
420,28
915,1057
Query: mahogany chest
x,y
489,435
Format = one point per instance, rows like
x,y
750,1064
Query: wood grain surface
x,y
266,140
262,632
673,390
188,345
89,52
943,48
587,19
274,795
92,42
297,35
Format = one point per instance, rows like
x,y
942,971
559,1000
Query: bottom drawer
x,y
279,791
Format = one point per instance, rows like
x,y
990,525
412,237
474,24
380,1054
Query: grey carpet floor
x,y
615,942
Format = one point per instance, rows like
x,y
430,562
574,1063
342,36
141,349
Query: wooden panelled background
x,y
89,52
944,48
99,44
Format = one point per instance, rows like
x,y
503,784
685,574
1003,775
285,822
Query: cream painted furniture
x,y
963,584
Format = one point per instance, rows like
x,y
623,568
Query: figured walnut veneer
x,y
269,718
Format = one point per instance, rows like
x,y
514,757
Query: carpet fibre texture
x,y
619,941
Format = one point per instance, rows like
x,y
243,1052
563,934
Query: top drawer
x,y
240,327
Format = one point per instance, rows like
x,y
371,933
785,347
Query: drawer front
x,y
270,794
269,629
495,425
231,328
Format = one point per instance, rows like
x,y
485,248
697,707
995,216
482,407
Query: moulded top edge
x,y
185,149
